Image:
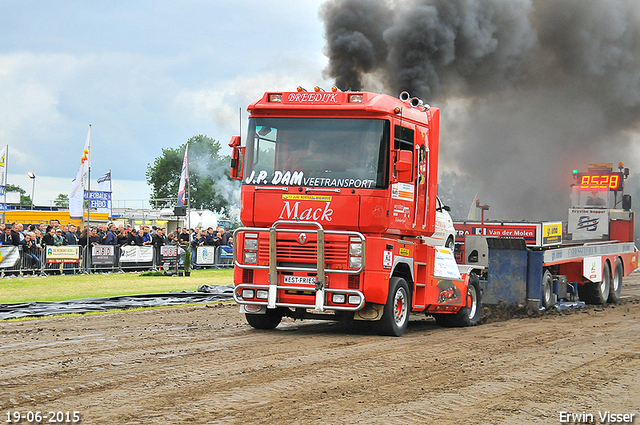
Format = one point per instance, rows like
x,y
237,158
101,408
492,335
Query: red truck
x,y
338,197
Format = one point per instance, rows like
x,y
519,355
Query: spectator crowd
x,y
34,238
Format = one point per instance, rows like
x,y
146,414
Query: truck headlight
x,y
355,249
262,294
354,299
250,257
251,244
355,262
339,298
248,293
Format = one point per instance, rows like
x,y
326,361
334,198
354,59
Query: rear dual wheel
x,y
598,292
615,290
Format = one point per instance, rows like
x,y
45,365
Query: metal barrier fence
x,y
73,259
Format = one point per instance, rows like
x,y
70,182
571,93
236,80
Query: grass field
x,y
70,287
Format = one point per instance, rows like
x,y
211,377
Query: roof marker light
x,y
301,89
318,89
335,89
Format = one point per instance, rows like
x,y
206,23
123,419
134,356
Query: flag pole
x,y
6,163
111,196
88,204
188,197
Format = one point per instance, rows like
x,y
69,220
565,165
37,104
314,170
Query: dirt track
x,y
204,364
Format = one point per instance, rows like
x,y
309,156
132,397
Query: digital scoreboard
x,y
600,181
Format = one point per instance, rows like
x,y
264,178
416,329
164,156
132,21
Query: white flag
x,y
76,207
3,166
104,182
85,164
184,176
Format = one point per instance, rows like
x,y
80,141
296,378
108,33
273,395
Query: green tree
x,y
24,198
62,200
210,185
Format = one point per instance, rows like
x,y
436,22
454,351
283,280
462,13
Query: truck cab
x,y
339,205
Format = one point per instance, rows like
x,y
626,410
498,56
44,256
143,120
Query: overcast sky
x,y
146,75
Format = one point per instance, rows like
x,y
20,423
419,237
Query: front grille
x,y
293,251
247,275
354,281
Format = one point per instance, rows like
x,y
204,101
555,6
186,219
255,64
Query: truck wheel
x,y
450,244
615,289
469,315
547,289
269,320
395,316
598,292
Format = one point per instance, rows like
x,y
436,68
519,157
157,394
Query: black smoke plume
x,y
529,90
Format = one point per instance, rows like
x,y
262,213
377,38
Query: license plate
x,y
303,280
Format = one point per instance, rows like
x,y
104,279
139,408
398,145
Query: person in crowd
x,y
184,237
131,237
38,237
94,237
58,240
139,240
72,237
111,238
159,240
226,236
146,236
210,238
82,239
19,229
122,235
30,251
47,239
9,237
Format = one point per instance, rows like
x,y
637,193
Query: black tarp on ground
x,y
205,294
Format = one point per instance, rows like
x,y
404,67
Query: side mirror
x,y
404,166
237,156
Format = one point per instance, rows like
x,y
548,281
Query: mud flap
x,y
370,312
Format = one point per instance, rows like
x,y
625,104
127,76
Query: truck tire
x,y
547,289
615,290
598,292
269,320
395,316
450,244
469,315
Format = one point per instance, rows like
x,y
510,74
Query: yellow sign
x,y
404,251
296,197
551,233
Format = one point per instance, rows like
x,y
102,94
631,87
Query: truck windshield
x,y
320,152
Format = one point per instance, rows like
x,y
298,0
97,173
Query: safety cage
x,y
297,258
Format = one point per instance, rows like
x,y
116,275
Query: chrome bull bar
x,y
274,268
237,296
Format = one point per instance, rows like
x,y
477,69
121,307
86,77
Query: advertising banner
x,y
9,256
536,234
206,255
103,254
588,223
169,252
63,254
136,254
